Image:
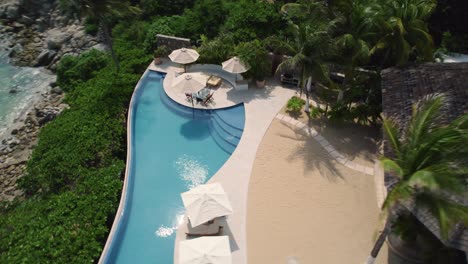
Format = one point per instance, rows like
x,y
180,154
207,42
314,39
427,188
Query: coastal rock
x,y
16,149
13,90
9,9
15,50
56,39
56,90
45,57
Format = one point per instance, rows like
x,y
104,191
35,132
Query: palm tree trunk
x,y
379,243
108,40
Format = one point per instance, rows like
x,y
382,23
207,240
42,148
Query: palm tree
x,y
357,26
429,165
311,43
405,32
102,11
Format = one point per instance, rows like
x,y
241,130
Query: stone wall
x,y
171,42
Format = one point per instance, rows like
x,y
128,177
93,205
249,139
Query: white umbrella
x,y
184,56
235,65
188,83
205,250
206,202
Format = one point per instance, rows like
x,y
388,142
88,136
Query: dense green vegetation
x,y
73,180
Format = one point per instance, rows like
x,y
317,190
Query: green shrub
x,y
205,18
215,51
73,180
73,70
315,112
172,26
295,104
164,7
91,26
248,20
161,51
69,227
254,54
133,31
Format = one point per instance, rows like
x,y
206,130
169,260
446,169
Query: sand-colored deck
x,y
261,107
305,207
223,96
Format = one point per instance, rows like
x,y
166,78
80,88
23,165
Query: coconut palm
x,y
311,43
405,32
430,165
357,26
102,11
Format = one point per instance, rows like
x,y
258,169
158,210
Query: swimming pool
x,y
174,148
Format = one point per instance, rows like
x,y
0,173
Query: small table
x,y
214,81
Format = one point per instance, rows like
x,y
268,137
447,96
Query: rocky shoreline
x,y
37,34
16,148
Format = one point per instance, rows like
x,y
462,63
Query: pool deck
x,y
261,107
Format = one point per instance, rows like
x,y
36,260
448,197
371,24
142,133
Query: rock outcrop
x,y
16,149
40,34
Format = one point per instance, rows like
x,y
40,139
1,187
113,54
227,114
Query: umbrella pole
x,y
193,109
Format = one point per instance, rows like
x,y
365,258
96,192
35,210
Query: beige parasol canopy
x,y
184,55
235,65
188,83
206,202
205,250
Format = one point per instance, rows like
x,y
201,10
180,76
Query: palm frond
x,y
391,132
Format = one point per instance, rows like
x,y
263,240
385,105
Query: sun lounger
x,y
217,233
212,228
214,81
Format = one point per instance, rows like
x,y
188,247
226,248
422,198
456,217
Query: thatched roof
x,y
401,88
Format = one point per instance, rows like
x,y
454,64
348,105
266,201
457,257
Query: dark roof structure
x,y
403,87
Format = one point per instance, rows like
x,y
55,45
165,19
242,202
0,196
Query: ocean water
x,y
29,84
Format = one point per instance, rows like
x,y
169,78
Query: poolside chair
x,y
208,99
189,97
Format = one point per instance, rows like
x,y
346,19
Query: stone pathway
x,y
340,158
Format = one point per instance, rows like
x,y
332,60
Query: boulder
x,y
26,20
13,90
57,38
15,50
56,90
9,10
99,46
45,57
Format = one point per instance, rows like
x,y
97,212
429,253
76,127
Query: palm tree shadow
x,y
350,139
318,160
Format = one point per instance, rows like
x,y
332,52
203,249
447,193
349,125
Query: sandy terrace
x,y
304,207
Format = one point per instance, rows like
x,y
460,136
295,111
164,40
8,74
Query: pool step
x,y
236,119
225,135
226,127
221,142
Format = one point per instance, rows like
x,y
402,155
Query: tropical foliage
x,y
430,167
103,12
73,180
295,104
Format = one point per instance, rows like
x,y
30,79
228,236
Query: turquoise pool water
x,y
174,149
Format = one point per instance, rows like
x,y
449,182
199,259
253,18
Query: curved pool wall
x,y
172,148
